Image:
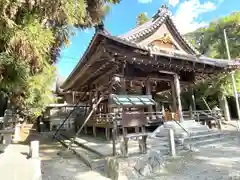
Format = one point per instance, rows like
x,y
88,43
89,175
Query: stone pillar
x,y
224,106
194,108
34,149
7,138
171,142
178,96
190,112
17,132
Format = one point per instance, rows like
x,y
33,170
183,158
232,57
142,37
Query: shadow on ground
x,y
216,161
55,166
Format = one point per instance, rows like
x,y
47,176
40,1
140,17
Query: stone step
x,y
164,147
203,136
197,131
212,141
205,141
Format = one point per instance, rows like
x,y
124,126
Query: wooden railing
x,y
109,117
102,118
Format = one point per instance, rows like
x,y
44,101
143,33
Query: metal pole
x,y
233,79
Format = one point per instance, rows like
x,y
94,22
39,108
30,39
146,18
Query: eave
x,y
153,55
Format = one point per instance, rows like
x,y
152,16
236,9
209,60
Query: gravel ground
x,y
65,166
218,161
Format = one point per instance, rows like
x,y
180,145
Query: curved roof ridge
x,y
184,39
148,26
154,23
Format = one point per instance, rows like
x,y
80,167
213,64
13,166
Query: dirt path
x,y
64,167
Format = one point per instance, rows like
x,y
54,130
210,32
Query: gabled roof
x,y
132,40
162,16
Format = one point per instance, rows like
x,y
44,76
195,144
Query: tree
x,y
31,35
210,41
142,18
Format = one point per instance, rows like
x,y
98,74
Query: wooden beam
x,y
89,61
102,77
157,60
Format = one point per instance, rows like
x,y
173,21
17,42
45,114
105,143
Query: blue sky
x,y
188,15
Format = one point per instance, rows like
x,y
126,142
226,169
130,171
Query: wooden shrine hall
x,y
151,58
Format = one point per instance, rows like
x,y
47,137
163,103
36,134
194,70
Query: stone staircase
x,y
197,135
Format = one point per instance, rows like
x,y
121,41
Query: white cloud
x,y
186,17
144,1
173,2
86,31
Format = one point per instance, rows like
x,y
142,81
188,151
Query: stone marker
x,y
17,132
171,143
34,149
7,138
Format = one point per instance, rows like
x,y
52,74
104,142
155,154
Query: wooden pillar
x,y
90,102
174,98
73,97
123,85
148,92
96,97
178,96
163,109
114,130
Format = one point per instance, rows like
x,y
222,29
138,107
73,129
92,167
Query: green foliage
x,y
210,41
13,73
38,92
31,35
142,18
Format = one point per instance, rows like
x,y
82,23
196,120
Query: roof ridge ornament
x,y
162,10
164,6
99,27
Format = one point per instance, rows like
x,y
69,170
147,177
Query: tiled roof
x,y
163,15
195,58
